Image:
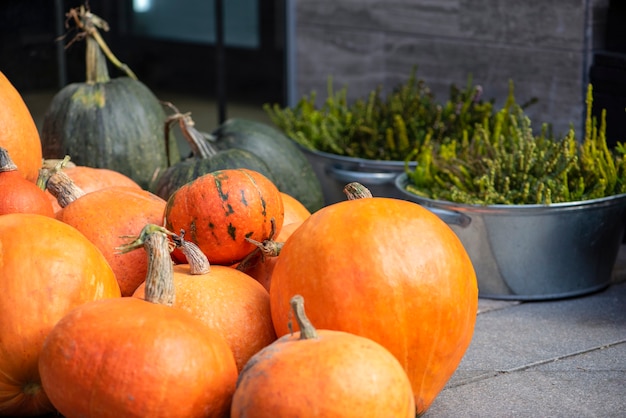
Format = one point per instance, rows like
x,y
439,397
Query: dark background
x,y
29,56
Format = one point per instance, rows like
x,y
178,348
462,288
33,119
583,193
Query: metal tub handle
x,y
366,177
451,217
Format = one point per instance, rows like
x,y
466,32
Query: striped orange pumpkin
x,y
219,210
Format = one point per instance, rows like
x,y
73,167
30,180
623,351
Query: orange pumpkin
x,y
106,217
219,210
90,179
388,270
18,195
128,357
47,268
18,132
229,302
323,373
295,211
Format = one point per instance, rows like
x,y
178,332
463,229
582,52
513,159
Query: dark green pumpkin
x,y
108,123
292,171
191,168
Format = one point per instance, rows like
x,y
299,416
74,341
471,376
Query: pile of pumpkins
x,y
227,298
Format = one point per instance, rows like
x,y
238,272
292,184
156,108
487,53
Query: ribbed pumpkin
x,y
18,195
108,123
389,270
133,358
323,373
289,166
219,210
18,132
47,268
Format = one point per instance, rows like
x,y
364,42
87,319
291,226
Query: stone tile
x,y
534,393
531,333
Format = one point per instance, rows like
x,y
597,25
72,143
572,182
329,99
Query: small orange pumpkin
x,y
18,195
227,301
47,268
18,132
389,270
219,210
322,373
128,357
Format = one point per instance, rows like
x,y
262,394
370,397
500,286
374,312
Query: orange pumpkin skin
x,y
18,195
46,269
90,179
228,301
388,270
107,217
130,358
220,209
18,132
335,375
295,211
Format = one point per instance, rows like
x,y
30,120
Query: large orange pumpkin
x,y
219,210
47,268
107,217
18,195
388,270
18,132
323,373
132,358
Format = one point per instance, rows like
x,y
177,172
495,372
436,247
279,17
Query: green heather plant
x,y
381,127
503,162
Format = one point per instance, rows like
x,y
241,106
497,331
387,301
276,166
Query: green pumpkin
x,y
191,168
289,166
108,123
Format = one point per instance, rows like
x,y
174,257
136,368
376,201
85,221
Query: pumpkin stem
x,y
356,190
6,163
63,188
88,23
307,330
197,140
159,278
49,168
139,241
267,248
198,262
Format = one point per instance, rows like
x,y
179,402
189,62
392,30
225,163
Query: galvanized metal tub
x,y
335,171
536,252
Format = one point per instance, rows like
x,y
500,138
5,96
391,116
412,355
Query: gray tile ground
x,y
543,359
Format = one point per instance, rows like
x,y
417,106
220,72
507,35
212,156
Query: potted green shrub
x,y
369,139
541,217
